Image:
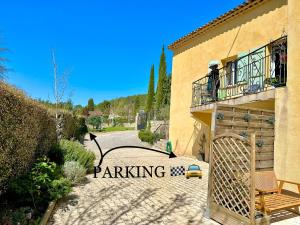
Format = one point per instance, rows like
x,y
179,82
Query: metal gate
x,y
231,183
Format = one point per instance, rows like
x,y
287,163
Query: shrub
x,y
41,185
244,134
74,151
95,121
74,171
18,216
247,117
42,174
27,132
259,143
73,127
220,116
120,121
271,120
148,136
60,188
81,129
56,155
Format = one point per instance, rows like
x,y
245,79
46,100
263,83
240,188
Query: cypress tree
x,y
91,105
150,96
167,90
162,76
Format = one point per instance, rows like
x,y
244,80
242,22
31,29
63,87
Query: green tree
x,y
2,67
85,111
68,105
162,74
137,104
95,121
167,90
150,96
91,105
104,107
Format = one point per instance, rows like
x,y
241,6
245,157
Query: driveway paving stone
x,y
137,201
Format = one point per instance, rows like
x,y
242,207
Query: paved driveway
x,y
166,200
127,201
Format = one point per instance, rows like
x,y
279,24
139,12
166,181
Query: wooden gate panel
x,y
231,172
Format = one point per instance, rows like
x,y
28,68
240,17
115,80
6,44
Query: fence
x,y
231,197
244,121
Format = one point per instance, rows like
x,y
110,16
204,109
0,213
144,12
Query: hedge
x,y
74,151
27,131
73,127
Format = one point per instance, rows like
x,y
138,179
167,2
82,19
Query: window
x,y
230,68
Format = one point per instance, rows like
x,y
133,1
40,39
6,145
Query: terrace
x,y
250,75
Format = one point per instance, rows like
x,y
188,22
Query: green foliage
x,y
20,190
148,136
60,188
39,186
244,134
125,107
17,216
74,171
73,126
95,121
81,128
2,67
74,151
84,111
91,105
150,96
167,90
27,132
67,106
163,113
271,81
247,117
56,155
42,174
162,76
137,104
149,125
116,128
259,143
220,116
120,121
271,120
104,107
46,179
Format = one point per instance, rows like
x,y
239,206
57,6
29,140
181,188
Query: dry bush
x,y
27,131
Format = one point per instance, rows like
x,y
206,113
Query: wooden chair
x,y
270,197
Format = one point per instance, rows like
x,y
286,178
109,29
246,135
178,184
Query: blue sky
x,y
108,46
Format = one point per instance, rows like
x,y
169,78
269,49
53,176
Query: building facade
x,y
247,57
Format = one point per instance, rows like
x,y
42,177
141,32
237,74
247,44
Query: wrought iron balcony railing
x,y
262,69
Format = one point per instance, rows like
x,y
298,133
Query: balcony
x,y
260,70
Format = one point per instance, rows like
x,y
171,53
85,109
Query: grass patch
x,y
116,128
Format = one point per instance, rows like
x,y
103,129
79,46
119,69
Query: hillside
x,y
124,106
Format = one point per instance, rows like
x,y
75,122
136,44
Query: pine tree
x,y
91,105
162,75
150,96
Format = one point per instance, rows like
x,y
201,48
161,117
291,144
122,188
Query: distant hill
x,y
126,107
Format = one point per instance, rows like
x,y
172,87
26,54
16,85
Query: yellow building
x,y
256,47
